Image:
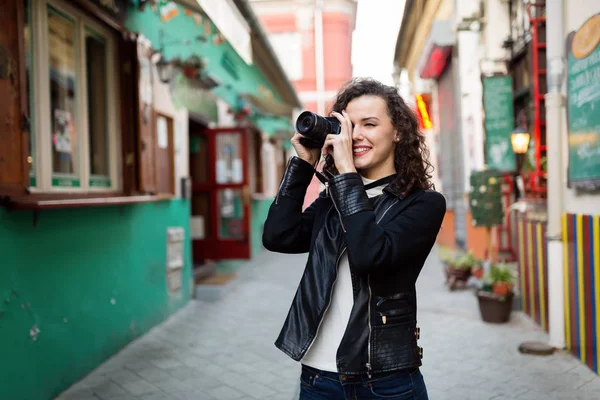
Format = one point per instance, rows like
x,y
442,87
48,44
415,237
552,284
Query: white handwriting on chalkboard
x,y
586,77
586,151
585,95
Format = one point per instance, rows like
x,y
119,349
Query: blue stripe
x,y
577,288
594,305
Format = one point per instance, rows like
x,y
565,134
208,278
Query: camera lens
x,y
306,122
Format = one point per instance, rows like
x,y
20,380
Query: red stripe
x,y
572,285
587,268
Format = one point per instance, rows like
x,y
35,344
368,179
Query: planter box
x,y
494,308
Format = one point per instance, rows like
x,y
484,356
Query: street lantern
x,y
520,140
164,69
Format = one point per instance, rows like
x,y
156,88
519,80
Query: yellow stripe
x,y
522,265
565,237
531,269
581,287
596,266
540,251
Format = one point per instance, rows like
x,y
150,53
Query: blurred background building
x,y
313,40
510,87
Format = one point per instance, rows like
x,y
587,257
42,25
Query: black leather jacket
x,y
387,239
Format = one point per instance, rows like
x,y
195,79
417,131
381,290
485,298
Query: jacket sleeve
x,y
288,229
371,246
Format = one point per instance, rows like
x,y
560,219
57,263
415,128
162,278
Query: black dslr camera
x,y
315,129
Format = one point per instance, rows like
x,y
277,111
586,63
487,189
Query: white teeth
x,y
361,149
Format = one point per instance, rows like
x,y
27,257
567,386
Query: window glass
x,y
288,47
229,158
231,214
63,98
96,62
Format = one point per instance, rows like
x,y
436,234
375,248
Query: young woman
x,y
352,323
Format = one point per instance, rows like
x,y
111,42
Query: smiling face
x,y
373,137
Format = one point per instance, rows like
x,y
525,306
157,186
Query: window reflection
x,y
96,54
63,91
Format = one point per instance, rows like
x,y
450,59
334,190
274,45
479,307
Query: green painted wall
x,y
91,280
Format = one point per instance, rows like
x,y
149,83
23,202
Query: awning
x,y
273,125
437,50
186,33
268,106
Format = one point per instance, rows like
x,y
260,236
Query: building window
x,y
288,47
72,88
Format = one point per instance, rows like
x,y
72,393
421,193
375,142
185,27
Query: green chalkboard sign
x,y
583,102
499,122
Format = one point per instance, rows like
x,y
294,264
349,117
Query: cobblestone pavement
x,y
224,350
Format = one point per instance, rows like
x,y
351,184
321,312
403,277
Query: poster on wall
x,y
583,105
499,122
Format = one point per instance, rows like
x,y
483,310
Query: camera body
x,y
315,128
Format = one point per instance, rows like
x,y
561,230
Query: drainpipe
x,y
319,64
556,177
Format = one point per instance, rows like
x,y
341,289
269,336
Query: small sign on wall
x,y
175,238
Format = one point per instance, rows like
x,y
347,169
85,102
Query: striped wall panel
x,y
581,238
533,270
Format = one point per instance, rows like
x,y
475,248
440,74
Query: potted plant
x,y
477,271
496,294
458,268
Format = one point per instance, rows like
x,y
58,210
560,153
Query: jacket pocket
x,y
394,346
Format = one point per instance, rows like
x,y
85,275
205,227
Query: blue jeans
x,y
324,385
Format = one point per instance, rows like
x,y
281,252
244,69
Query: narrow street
x,y
224,350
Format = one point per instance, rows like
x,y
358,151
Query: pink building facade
x,y
313,39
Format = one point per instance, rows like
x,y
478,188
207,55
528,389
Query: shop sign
x,y
583,104
499,117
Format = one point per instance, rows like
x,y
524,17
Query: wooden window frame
x,y
41,102
126,170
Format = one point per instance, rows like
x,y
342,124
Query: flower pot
x,y
494,308
501,288
457,276
477,272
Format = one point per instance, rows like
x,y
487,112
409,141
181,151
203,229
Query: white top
x,y
322,352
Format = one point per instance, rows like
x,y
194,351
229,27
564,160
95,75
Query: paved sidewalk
x,y
224,350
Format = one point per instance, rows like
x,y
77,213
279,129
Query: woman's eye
x,y
370,125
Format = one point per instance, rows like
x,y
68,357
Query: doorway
x,y
220,204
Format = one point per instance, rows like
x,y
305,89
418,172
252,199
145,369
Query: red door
x,y
220,194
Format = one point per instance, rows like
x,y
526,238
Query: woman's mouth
x,y
360,151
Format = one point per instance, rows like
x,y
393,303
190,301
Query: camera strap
x,y
378,182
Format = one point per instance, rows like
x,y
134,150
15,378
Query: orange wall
x,y
446,236
477,240
476,236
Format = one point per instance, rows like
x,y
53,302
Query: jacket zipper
x,y
386,210
330,298
369,304
369,343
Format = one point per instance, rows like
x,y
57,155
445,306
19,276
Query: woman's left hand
x,y
340,146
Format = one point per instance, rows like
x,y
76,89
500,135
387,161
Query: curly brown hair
x,y
411,156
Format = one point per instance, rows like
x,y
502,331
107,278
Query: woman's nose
x,y
357,133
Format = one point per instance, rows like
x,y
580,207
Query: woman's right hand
x,y
307,154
